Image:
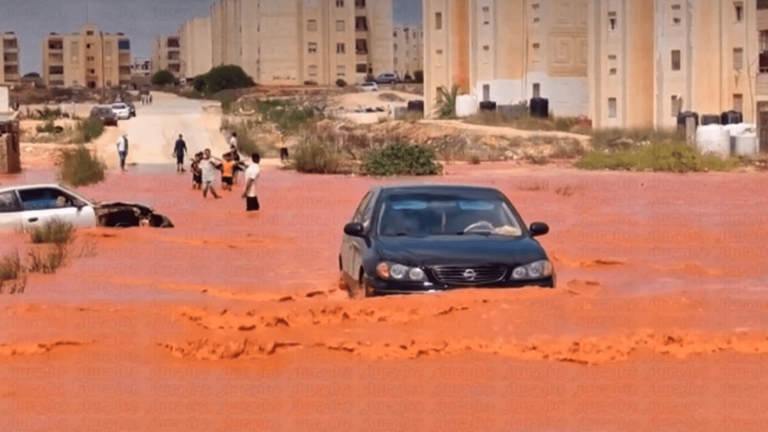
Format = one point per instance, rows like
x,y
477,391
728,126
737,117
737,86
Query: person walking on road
x,y
251,177
122,150
233,141
209,165
180,150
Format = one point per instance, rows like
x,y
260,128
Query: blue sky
x,y
141,20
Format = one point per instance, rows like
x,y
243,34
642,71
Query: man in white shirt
x,y
209,165
233,141
122,149
251,177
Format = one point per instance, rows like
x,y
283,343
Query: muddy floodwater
x,y
234,321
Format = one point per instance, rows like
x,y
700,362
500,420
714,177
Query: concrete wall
x,y
196,47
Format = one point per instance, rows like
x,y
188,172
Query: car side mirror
x,y
354,229
539,229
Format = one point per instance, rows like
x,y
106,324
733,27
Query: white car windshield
x,y
420,216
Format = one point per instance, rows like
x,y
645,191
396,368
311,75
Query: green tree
x,y
446,101
227,77
163,77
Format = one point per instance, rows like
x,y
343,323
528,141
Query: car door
x,y
350,245
42,205
10,210
358,246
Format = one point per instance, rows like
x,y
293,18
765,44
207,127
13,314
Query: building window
x,y
395,61
612,21
395,48
340,3
486,54
361,68
486,92
762,4
439,58
438,21
612,64
341,48
89,33
341,71
486,16
738,58
611,107
675,60
312,25
738,8
536,90
676,19
313,71
361,24
124,45
341,25
312,47
675,105
763,49
536,52
394,33
738,102
88,46
612,71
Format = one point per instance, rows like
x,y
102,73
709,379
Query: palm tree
x,y
446,101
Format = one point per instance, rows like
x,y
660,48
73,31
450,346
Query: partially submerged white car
x,y
31,206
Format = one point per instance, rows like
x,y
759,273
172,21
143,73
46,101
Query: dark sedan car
x,y
105,114
424,238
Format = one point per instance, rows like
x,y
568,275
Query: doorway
x,y
486,92
762,126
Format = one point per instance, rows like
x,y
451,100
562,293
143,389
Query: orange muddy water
x,y
234,322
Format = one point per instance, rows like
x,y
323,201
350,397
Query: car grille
x,y
458,275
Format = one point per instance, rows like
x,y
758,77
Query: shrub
x,y
49,114
54,232
289,117
474,160
341,83
310,83
312,156
227,77
402,159
227,99
87,130
12,270
199,83
47,260
624,139
163,78
81,168
661,156
446,101
47,127
418,76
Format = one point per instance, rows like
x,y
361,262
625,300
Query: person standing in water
x,y
180,150
209,165
251,177
122,150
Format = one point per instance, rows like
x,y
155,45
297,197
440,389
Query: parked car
x,y
105,114
121,110
32,206
132,108
369,87
387,78
425,238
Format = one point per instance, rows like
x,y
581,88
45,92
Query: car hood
x,y
460,250
118,204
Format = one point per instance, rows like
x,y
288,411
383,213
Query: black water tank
x,y
539,107
683,116
416,105
731,117
487,106
710,119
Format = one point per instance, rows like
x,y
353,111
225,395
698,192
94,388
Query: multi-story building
x,y
196,52
508,51
166,55
652,60
90,58
408,50
141,68
295,42
9,63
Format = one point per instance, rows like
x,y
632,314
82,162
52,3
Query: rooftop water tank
x,y
709,119
539,107
713,138
731,117
745,144
466,105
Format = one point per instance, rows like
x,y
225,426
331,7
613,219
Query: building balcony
x,y
55,77
761,88
11,78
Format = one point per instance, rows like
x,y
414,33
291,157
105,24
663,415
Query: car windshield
x,y
433,215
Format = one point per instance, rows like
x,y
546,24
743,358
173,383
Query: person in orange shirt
x,y
227,172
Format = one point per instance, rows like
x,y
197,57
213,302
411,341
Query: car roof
x,y
434,187
33,186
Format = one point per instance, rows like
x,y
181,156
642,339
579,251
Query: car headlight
x,y
400,272
536,270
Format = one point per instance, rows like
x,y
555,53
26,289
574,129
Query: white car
x,y
30,206
369,87
121,110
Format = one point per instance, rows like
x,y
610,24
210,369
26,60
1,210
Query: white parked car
x,y
121,110
30,206
369,87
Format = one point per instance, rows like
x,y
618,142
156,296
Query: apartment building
x,y
166,55
141,68
508,51
90,58
9,63
196,47
297,42
652,60
408,50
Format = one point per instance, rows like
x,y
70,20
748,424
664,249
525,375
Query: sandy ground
x,y
344,106
234,322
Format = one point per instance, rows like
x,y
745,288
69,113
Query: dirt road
x,y
154,130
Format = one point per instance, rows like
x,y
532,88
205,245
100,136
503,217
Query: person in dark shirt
x,y
180,150
197,173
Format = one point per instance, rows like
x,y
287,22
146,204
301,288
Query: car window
x,y
361,208
45,199
8,202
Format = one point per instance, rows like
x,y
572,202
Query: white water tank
x,y
745,144
466,105
713,138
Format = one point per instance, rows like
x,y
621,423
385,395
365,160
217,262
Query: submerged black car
x,y
423,238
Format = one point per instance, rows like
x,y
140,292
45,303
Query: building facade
x,y
306,41
196,47
508,51
166,55
408,50
9,62
89,59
